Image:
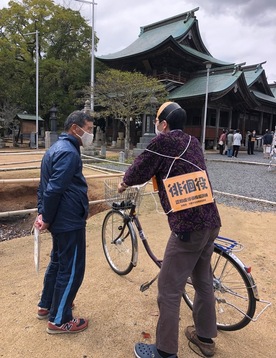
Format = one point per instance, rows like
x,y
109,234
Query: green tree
x,y
125,95
64,56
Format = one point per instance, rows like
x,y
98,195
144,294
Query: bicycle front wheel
x,y
234,296
119,242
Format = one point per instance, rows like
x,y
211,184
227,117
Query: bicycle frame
x,y
225,244
224,250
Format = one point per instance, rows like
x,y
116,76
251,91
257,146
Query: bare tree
x,y
126,95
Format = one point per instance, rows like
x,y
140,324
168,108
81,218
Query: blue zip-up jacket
x,y
62,191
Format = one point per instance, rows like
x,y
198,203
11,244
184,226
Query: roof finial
x,y
259,66
190,14
238,67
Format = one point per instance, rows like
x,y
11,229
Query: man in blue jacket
x,y
63,210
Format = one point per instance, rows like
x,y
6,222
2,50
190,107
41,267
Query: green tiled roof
x,y
264,97
204,57
28,117
197,86
255,76
181,33
251,76
273,90
153,37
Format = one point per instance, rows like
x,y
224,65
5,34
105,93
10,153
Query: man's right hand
x,y
40,224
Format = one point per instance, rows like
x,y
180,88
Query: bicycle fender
x,y
248,274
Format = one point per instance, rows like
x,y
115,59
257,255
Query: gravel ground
x,y
247,176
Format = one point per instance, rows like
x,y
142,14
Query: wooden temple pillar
x,y
261,123
217,129
230,115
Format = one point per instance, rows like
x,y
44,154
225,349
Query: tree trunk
x,y
127,137
14,144
115,125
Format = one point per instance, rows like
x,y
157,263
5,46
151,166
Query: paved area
x,y
256,158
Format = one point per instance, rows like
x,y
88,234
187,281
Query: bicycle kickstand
x,y
147,284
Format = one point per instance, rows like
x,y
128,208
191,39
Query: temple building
x,y
216,94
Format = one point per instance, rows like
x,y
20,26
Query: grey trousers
x,y
183,258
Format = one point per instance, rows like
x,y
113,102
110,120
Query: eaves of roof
x,y
168,32
265,97
220,84
28,117
252,76
204,57
148,40
197,85
257,74
273,90
171,42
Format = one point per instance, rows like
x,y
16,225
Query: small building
x,y
27,127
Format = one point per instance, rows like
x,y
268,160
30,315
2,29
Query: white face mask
x,y
157,131
86,138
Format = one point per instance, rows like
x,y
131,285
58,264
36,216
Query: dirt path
x,y
22,195
117,310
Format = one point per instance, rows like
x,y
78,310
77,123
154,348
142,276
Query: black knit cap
x,y
166,109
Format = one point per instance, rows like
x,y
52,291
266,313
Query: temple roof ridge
x,y
185,16
255,75
182,29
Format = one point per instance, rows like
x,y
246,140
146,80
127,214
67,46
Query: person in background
x,y
251,142
222,141
267,142
237,139
229,141
63,210
191,242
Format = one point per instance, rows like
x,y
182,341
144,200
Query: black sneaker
x,y
142,350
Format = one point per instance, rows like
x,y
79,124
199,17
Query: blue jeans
x,y
64,275
229,152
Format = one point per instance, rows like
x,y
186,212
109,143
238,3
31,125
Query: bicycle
x,y
235,290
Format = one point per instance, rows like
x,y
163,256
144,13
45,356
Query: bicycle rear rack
x,y
227,245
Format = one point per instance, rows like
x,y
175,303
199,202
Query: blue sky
x,y
232,30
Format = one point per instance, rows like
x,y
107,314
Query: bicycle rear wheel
x,y
235,301
119,242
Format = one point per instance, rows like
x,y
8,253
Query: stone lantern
x,y
53,119
148,127
51,136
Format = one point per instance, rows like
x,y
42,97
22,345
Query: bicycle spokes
x,y
235,301
119,242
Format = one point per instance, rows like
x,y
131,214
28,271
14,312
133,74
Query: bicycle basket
x,y
132,195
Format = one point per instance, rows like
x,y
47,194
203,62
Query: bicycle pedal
x,y
145,286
